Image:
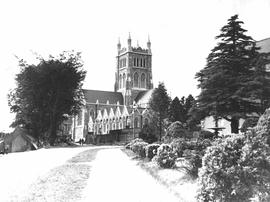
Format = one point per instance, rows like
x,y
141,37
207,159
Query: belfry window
x,y
136,79
124,61
120,82
124,80
143,81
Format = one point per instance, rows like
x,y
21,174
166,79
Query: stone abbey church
x,y
123,111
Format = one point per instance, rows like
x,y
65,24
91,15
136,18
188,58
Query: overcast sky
x,y
182,33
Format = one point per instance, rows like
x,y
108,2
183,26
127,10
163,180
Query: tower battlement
x,y
133,70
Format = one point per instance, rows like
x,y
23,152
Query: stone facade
x,y
125,109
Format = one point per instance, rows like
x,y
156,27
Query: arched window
x,y
137,62
124,80
143,81
91,114
136,122
134,62
144,62
146,121
136,79
120,82
141,63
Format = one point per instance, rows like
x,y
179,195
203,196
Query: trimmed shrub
x,y
151,150
205,134
263,127
148,134
179,145
129,145
236,168
166,157
176,130
139,148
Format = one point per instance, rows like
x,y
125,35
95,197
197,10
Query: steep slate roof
x,y
264,45
92,96
144,97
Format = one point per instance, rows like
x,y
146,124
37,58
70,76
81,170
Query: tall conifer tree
x,y
229,68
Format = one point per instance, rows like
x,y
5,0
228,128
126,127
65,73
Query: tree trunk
x,y
235,125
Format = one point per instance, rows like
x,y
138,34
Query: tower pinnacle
x,y
129,42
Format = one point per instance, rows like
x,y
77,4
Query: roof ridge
x,y
263,39
101,91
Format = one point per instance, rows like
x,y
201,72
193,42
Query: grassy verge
x,y
176,180
66,182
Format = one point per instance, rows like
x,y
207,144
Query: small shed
x,y
19,140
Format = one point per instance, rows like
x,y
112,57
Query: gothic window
x,y
125,62
124,80
143,81
144,62
146,121
120,82
91,114
136,122
137,62
134,62
141,62
136,79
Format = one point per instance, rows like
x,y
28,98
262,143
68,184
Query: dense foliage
x,y
236,168
165,157
148,133
139,148
159,105
46,93
229,82
151,150
176,130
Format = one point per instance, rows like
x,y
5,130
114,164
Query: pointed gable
x,y
125,112
99,116
105,114
118,112
111,115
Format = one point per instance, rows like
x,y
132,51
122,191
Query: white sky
x,y
182,34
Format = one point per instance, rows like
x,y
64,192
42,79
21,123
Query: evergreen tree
x,y
176,111
159,104
189,102
223,81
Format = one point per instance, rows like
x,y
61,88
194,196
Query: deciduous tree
x,y
47,92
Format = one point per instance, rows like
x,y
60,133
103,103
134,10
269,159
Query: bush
x,y
151,150
166,157
176,130
179,145
148,134
236,168
139,148
249,123
204,134
132,142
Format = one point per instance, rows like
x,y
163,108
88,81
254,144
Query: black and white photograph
x,y
135,101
